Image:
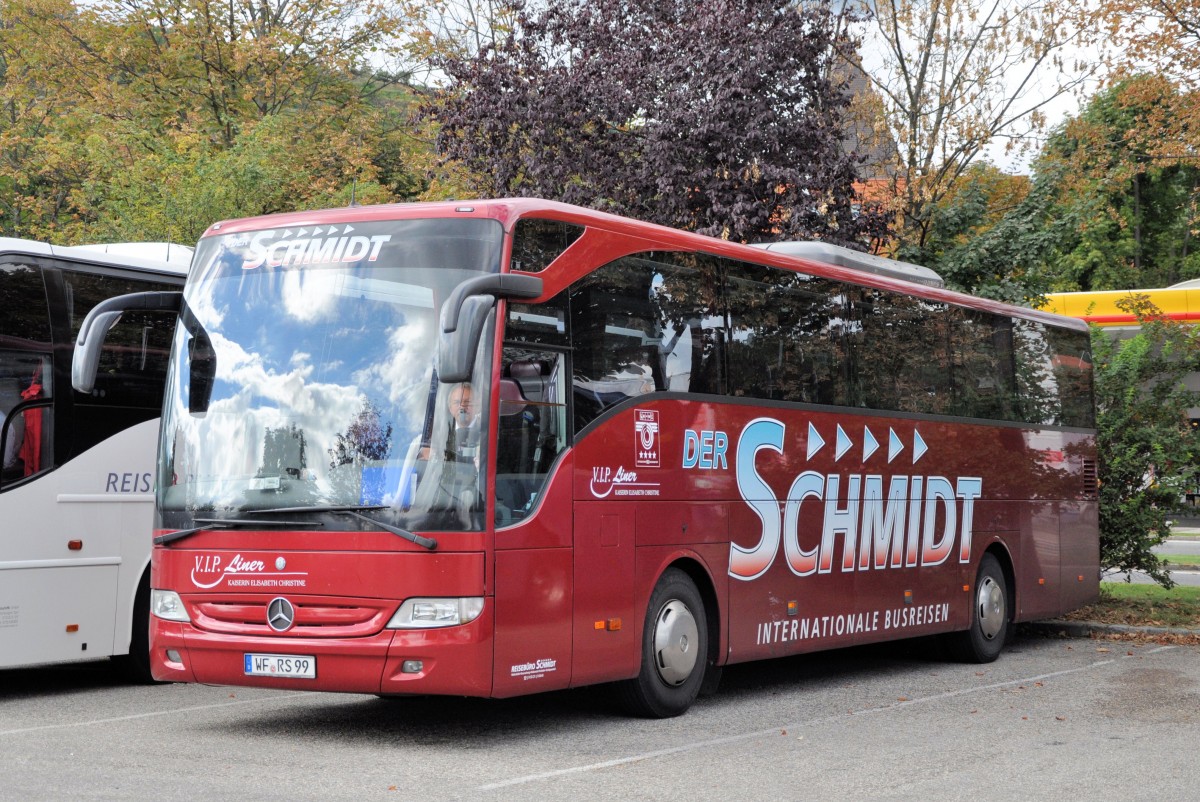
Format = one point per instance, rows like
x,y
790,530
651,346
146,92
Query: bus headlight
x,y
167,605
430,613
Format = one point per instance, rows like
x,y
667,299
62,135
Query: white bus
x,y
76,480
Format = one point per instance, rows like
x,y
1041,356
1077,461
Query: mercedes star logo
x,y
280,614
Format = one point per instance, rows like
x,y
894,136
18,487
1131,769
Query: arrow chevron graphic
x,y
815,441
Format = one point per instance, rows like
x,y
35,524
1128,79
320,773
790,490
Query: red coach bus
x,y
501,447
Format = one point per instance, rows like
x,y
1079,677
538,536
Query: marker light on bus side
x,y
431,613
167,605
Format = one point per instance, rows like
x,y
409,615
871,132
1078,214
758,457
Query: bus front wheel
x,y
674,650
983,642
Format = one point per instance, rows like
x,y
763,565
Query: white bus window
x,y
133,364
14,428
25,348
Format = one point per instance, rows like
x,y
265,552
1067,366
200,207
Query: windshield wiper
x,y
214,524
357,510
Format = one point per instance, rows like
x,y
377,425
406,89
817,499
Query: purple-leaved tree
x,y
724,117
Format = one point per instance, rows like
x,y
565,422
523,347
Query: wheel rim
x,y
676,640
991,608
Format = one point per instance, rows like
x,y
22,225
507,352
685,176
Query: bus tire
x,y
674,650
136,664
983,642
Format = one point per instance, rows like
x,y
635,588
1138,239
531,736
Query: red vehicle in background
x,y
502,447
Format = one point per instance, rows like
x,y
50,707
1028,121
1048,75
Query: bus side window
x,y
13,434
532,428
636,327
133,363
26,422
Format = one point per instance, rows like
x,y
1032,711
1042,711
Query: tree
x,y
1136,210
1165,33
285,452
979,239
154,118
953,76
434,30
26,116
367,440
211,68
1148,451
1100,213
723,118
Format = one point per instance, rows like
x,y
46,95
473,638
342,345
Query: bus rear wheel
x,y
674,650
983,642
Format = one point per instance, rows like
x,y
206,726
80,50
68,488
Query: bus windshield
x,y
304,375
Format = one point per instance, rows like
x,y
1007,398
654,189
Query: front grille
x,y
314,618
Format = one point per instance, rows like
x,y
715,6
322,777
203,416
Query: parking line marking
x,y
152,714
774,731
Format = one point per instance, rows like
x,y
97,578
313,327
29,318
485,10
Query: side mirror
x,y
501,285
456,349
464,313
103,316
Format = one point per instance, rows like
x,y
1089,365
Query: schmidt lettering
x,y
880,525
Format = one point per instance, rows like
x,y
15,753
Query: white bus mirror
x,y
96,325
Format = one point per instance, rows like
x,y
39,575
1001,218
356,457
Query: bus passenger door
x,y
606,622
532,503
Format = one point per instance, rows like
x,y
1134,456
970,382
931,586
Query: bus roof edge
x,y
856,260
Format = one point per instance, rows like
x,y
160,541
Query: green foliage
x,y
152,119
1135,209
950,78
1148,453
1132,210
183,186
989,236
1105,210
185,183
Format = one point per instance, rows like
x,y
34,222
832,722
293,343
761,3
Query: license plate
x,y
302,666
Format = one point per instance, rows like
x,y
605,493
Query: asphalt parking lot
x,y
1052,717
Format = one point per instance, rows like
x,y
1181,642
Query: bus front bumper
x,y
452,660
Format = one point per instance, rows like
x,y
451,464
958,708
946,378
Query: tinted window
x,y
1073,375
646,324
25,373
697,323
786,336
686,292
900,352
981,369
615,331
133,363
1054,375
537,243
532,427
544,323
